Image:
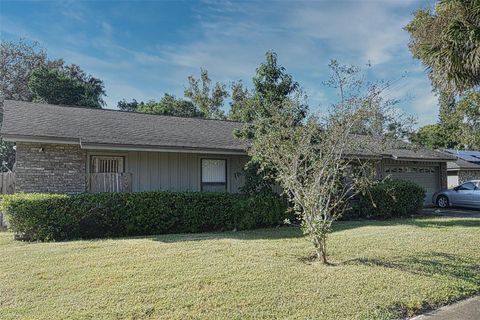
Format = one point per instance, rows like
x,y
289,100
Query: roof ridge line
x,y
121,111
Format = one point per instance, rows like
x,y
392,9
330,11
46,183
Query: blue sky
x,y
142,49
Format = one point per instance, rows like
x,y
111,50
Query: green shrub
x,y
389,199
49,217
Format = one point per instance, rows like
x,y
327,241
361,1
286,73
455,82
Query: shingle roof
x,y
467,155
100,126
397,149
461,164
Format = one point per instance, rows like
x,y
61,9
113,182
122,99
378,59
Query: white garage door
x,y
426,177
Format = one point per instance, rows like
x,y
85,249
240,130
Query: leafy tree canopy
x,y
17,63
207,99
459,125
275,94
433,136
447,41
168,105
468,116
67,85
242,105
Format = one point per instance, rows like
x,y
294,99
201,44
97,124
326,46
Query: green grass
x,y
382,270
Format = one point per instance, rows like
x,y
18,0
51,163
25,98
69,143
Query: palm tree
x,y
448,43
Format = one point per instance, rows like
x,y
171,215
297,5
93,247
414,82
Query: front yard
x,y
383,270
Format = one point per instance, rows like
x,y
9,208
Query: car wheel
x,y
442,201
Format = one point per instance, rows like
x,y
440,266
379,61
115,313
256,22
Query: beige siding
x,y
171,171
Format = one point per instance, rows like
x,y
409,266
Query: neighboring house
x,y
73,149
467,167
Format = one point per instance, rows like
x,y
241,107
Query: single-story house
x,y
465,168
73,149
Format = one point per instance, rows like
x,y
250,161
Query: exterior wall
x,y
443,175
466,175
51,168
174,171
452,179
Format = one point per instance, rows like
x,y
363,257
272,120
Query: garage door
x,y
426,177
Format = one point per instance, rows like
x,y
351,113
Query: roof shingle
x,y
101,127
110,127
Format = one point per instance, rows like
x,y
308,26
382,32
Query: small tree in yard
x,y
318,164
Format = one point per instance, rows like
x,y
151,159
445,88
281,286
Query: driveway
x,y
453,212
468,309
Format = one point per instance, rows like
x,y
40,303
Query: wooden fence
x,y
109,182
7,186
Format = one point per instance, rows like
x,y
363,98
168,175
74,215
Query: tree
x,y
168,105
459,125
128,106
271,82
67,85
318,162
447,41
18,61
242,105
209,101
468,115
433,136
171,106
275,92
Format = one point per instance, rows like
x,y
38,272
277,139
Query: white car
x,y
465,195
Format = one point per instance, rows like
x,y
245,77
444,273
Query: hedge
x,y
389,199
48,217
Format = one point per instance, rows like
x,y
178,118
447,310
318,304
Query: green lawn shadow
x,y
421,222
283,232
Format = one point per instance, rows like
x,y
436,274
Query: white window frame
x,y
95,159
202,183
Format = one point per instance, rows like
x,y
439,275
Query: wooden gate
x,y
7,186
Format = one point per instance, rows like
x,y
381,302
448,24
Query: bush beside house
x,y
389,199
47,217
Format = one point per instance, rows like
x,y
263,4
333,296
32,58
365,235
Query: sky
x,y
143,49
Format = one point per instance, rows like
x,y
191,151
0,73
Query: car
x,y
465,195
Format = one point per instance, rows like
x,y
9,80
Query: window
x,y
467,186
410,170
105,164
214,175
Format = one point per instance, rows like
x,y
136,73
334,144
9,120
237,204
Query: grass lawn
x,y
383,270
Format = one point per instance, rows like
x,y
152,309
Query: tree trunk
x,y
321,250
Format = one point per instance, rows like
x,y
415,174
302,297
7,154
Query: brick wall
x,y
443,175
466,175
51,168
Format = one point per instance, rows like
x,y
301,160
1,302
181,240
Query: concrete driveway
x,y
468,309
453,212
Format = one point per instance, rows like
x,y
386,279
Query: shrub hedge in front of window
x,y
54,217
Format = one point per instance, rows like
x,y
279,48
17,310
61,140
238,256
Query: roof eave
x,y
149,148
119,147
39,139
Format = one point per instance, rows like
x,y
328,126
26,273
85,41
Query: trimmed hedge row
x,y
48,217
389,199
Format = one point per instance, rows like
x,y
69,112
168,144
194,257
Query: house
x,y
465,168
74,149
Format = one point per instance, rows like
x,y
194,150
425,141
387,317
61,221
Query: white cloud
x,y
106,27
229,38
